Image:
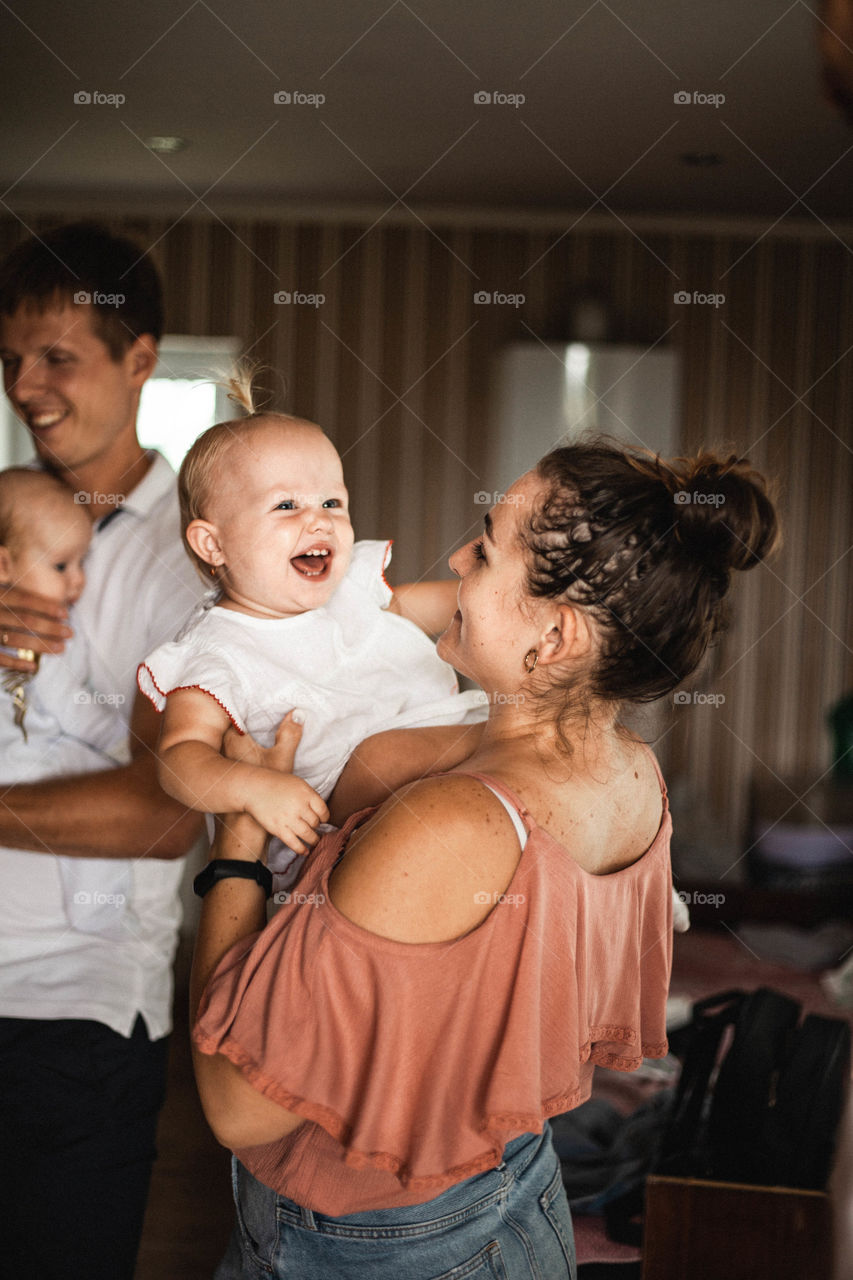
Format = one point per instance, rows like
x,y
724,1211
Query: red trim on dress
x,y
165,693
385,562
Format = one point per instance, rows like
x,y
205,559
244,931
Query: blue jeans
x,y
510,1223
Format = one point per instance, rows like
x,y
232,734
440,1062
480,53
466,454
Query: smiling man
x,y
85,1003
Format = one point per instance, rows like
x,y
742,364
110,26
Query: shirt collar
x,y
155,484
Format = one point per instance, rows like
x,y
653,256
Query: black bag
x,y
772,1114
758,1101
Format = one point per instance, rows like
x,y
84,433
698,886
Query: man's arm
x,y
430,605
117,813
30,621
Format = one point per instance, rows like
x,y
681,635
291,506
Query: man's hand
x,y
30,621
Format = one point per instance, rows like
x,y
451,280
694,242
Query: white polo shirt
x,y
140,589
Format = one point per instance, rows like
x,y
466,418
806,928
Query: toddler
x,y
50,721
302,622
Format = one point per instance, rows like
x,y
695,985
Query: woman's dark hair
x,y
84,263
648,545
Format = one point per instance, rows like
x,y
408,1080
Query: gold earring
x,y
213,571
528,665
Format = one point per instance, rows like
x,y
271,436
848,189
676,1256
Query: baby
x,y
44,536
303,623
50,722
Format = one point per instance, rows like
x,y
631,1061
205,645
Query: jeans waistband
x,y
458,1201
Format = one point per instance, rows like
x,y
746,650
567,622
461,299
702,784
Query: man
x,y
85,1008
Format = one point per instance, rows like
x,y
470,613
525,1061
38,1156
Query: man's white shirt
x,y
140,589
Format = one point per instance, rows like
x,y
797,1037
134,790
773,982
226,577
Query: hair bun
x,y
722,510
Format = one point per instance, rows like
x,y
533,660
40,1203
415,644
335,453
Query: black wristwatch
x,y
223,868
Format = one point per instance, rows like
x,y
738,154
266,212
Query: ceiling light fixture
x,y
165,144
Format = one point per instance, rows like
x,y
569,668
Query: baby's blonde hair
x,y
200,467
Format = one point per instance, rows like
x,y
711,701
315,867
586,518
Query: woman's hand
x,y
30,621
281,755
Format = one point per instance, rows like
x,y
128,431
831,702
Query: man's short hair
x,y
84,263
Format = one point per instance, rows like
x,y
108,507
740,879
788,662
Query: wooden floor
x,y
190,1211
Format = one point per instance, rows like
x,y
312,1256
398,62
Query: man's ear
x,y
569,635
141,358
6,565
203,537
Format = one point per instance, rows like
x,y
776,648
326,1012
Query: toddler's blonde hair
x,y
200,467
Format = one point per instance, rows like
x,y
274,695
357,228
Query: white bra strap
x,y
520,829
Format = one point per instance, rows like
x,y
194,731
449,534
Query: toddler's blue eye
x,y
332,502
287,505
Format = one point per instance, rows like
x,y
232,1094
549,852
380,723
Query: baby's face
x,y
47,555
282,519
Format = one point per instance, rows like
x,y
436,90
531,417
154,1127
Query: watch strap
x,y
227,868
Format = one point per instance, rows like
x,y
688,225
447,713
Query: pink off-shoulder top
x,y
414,1064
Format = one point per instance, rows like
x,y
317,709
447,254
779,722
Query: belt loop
x,y
308,1218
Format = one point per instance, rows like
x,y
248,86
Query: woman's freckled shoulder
x,y
414,874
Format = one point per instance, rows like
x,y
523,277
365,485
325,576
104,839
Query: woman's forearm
x,y
231,910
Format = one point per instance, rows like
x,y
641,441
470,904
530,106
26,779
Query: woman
x,y
384,1056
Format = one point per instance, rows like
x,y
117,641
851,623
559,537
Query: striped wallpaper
x,y
396,364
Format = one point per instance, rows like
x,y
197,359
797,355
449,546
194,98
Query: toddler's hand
x,y
288,808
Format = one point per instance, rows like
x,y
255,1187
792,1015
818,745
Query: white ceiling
x,y
599,126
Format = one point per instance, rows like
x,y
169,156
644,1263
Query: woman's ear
x,y
203,537
568,637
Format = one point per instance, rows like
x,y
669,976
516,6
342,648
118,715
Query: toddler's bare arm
x,y
430,605
386,761
192,769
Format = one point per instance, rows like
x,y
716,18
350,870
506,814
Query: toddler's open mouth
x,y
315,563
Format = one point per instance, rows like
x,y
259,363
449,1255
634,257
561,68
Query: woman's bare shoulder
x,y
430,864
